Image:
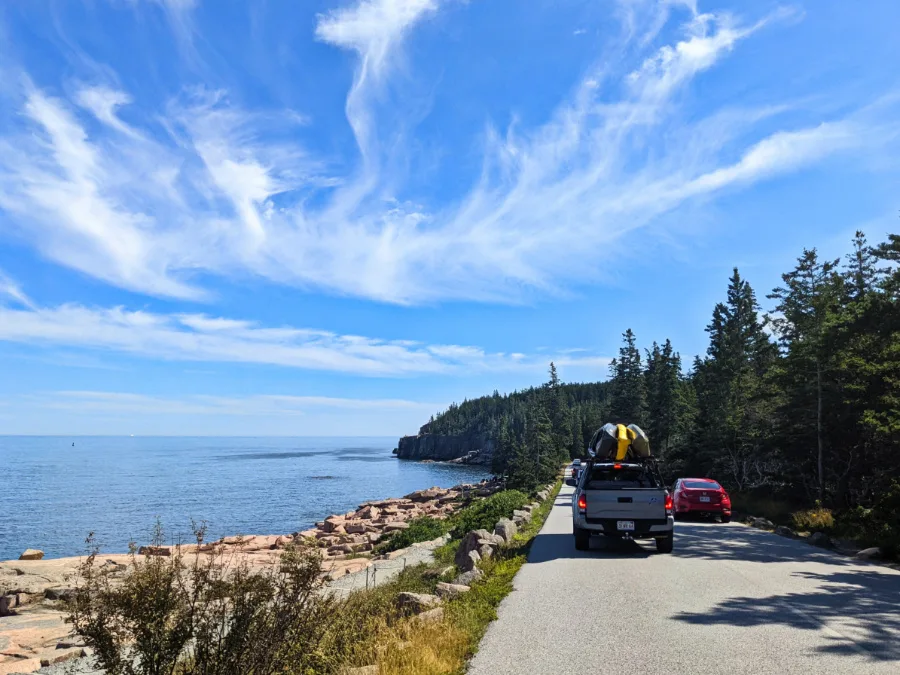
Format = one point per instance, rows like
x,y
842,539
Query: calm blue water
x,y
53,494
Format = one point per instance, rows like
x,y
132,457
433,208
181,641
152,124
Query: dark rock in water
x,y
464,449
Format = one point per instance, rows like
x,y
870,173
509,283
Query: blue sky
x,y
335,218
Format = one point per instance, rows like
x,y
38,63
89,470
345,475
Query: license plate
x,y
704,499
625,525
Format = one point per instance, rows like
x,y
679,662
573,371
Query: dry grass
x,y
813,520
404,646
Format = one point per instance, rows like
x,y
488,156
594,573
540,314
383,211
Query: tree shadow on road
x,y
746,544
870,599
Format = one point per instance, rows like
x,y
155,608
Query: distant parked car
x,y
701,496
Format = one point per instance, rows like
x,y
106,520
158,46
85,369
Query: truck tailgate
x,y
633,504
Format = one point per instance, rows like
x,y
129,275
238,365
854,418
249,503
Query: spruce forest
x,y
799,404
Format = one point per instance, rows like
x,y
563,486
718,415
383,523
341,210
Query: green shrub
x,y
424,528
875,526
484,514
206,615
814,520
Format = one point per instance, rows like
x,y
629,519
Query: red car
x,y
701,496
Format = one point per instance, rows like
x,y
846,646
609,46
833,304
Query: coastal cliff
x,y
462,449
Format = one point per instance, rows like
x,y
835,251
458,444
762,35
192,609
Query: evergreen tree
x,y
560,415
663,377
628,400
534,460
860,273
808,303
732,400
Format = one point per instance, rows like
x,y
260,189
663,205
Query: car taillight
x,y
582,502
725,497
668,503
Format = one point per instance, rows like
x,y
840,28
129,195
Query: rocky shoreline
x,y
33,591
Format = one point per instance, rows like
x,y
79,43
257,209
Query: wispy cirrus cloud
x,y
201,338
108,402
222,192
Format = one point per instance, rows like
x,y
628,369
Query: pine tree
x,y
731,387
534,459
808,303
663,376
558,410
628,399
860,273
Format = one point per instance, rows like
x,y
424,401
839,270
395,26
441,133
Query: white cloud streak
x,y
110,403
222,194
199,338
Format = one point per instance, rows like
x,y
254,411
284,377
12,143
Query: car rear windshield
x,y
702,485
608,478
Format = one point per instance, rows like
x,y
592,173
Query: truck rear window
x,y
608,478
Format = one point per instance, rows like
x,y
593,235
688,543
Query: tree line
x,y
802,401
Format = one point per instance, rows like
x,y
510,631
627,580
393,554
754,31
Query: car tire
x,y
726,519
582,539
666,544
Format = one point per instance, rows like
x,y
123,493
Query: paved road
x,y
729,600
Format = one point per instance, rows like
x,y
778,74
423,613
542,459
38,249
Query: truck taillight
x,y
668,503
582,502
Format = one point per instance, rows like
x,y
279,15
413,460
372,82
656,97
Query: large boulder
x,y
469,561
32,554
426,495
163,551
820,539
416,603
485,550
355,527
332,523
783,531
762,523
446,590
506,529
471,543
467,578
7,602
873,553
368,513
395,525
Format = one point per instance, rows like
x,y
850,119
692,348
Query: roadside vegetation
x,y
184,614
795,409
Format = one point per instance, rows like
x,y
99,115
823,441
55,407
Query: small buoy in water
x,y
73,445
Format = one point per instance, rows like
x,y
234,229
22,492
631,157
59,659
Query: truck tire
x,y
582,539
666,544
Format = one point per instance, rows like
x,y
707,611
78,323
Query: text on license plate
x,y
625,524
704,499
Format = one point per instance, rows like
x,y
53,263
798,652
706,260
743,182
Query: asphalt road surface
x,y
730,599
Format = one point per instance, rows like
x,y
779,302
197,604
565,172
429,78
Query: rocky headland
x,y
461,449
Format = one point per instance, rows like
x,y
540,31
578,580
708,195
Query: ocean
x,y
52,494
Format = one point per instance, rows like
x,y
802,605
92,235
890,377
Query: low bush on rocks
x,y
814,520
424,528
484,514
192,614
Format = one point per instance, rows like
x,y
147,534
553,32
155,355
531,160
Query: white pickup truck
x,y
622,499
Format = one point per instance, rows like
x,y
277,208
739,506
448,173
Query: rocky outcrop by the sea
x,y
33,590
462,449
